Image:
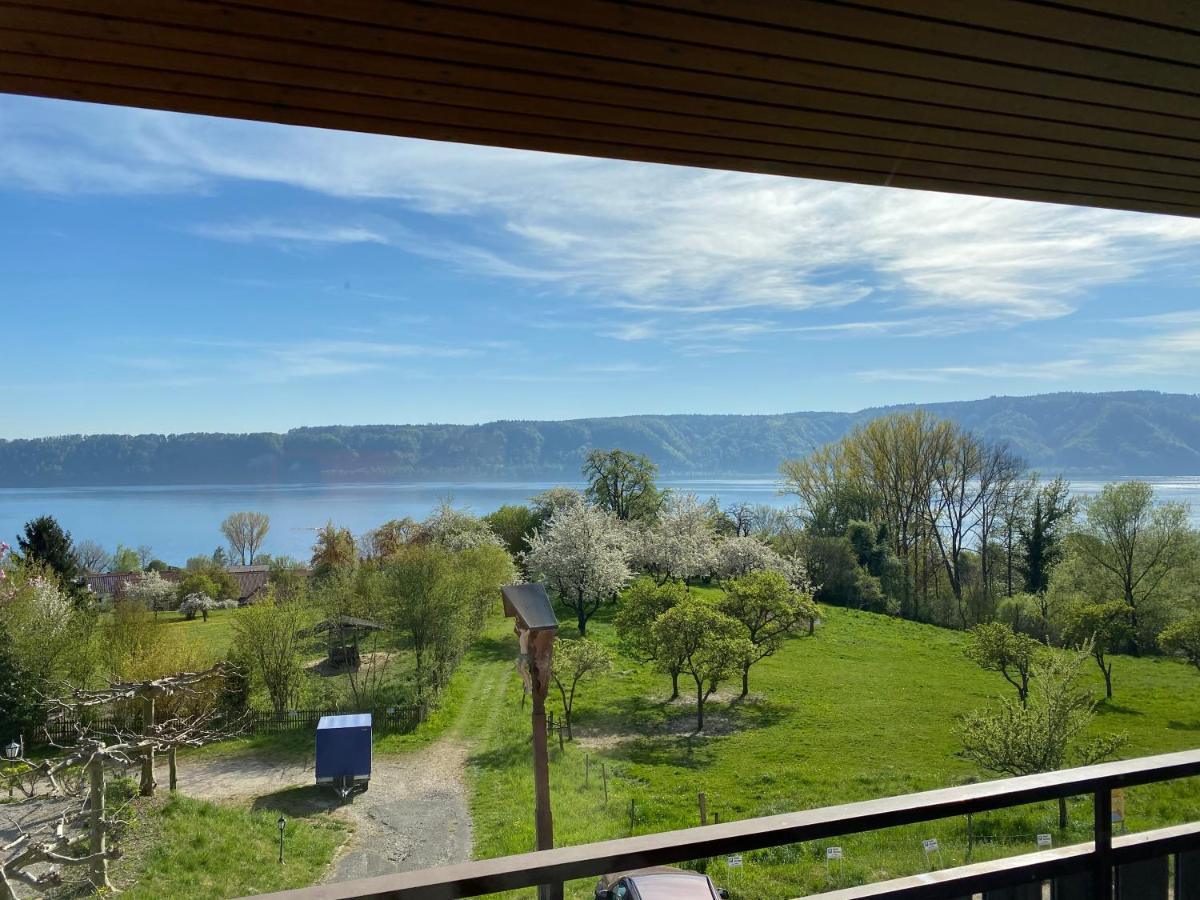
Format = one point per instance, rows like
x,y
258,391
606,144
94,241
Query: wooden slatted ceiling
x,y
1091,102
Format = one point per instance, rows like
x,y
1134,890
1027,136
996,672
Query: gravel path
x,y
413,816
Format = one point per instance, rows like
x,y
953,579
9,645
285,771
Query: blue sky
x,y
173,273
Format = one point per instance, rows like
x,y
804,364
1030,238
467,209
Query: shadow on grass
x,y
1176,725
1108,708
513,754
299,801
491,649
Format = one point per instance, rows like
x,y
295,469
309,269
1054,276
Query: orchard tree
x,y
511,523
679,545
640,605
1132,544
623,484
573,662
769,611
153,591
1043,735
245,532
553,500
269,636
736,556
1101,628
997,648
581,555
388,538
45,542
457,529
702,642
1183,638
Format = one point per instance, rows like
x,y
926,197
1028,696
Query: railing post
x,y
1102,864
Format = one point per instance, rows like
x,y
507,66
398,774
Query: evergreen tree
x,y
44,541
20,709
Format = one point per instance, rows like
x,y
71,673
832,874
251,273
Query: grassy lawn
x,y
188,849
215,635
863,709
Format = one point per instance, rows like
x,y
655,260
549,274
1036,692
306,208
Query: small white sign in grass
x,y
734,861
833,852
1045,840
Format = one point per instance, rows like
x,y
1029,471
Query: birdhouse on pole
x,y
536,626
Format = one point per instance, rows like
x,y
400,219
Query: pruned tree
x,y
640,605
245,532
997,648
1183,638
1100,628
582,556
573,662
769,611
701,641
1043,735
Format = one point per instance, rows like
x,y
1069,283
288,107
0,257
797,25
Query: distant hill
x,y
1120,433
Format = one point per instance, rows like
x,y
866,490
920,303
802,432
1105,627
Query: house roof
x,y
1090,102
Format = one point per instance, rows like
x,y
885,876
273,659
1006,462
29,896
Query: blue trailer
x,y
344,752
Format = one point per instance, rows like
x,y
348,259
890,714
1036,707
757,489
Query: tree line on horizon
x,y
1129,433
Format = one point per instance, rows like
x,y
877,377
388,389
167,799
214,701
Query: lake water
x,y
182,521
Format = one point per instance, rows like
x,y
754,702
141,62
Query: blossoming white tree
x,y
680,545
582,556
153,591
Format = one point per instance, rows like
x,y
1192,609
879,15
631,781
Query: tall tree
x,y
44,541
91,556
1051,513
769,611
996,647
334,548
582,556
624,484
1133,544
245,532
702,642
680,545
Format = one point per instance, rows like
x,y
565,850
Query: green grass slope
x,y
863,709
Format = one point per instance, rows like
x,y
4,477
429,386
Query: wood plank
x,y
372,26
1183,14
1144,880
1187,875
1010,31
1076,886
1029,891
800,29
667,38
462,117
849,91
1083,165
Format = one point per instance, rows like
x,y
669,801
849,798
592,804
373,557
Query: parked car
x,y
658,883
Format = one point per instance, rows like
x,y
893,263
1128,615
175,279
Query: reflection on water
x,y
182,521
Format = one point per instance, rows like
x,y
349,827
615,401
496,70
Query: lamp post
x,y
12,750
282,823
536,626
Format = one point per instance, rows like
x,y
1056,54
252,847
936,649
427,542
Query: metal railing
x,y
1082,870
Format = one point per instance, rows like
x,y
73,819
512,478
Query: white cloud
x,y
1039,371
650,240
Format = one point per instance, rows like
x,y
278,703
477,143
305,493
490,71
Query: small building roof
x,y
529,603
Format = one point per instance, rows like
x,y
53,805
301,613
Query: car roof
x,y
674,885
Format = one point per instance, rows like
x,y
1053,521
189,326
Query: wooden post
x,y
172,768
632,814
604,775
1102,866
97,826
147,785
541,643
703,808
587,768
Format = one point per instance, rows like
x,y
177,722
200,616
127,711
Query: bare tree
x,y
245,532
91,556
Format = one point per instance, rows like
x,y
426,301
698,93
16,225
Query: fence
x,y
390,719
1138,864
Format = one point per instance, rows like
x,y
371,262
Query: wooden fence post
x,y
703,808
604,775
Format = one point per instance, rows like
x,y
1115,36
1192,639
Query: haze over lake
x,y
182,521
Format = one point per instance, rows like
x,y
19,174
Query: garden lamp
x,y
12,750
282,823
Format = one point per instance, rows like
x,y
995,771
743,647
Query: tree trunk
x,y
1062,813
146,789
1107,670
172,769
674,686
699,709
582,616
97,826
745,679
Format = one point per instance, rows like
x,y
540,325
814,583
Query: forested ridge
x,y
1117,433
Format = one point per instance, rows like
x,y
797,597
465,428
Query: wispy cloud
x,y
1051,370
650,240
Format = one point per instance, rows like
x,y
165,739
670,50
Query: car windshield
x,y
673,887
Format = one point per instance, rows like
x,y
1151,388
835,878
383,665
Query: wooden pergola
x,y
1089,102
